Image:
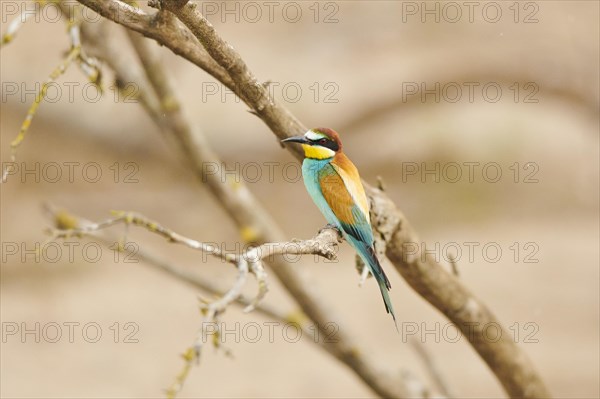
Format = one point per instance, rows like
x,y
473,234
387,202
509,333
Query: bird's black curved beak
x,y
296,139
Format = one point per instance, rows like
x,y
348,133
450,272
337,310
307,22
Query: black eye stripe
x,y
327,143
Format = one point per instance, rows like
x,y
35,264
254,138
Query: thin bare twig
x,y
88,65
74,52
320,245
64,220
453,265
16,24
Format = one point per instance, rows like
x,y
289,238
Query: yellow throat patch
x,y
317,152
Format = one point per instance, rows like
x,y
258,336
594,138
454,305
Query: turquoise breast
x,y
312,169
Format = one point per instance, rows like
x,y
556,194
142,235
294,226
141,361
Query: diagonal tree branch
x,y
165,30
444,291
182,42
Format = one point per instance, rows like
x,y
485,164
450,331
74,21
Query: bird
x,y
333,183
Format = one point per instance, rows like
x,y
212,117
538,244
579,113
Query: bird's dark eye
x,y
323,141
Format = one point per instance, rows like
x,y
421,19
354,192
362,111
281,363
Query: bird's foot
x,y
332,227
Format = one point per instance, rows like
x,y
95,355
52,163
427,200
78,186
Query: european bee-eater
x,y
333,182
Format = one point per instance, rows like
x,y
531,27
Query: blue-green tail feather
x,y
367,253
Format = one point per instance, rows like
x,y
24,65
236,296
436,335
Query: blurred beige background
x,y
348,65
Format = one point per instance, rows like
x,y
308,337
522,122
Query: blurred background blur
x,y
481,119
